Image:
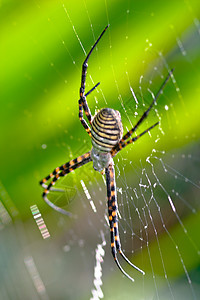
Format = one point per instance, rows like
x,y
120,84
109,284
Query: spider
x,y
106,132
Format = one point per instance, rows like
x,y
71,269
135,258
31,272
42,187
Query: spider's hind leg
x,y
83,102
145,114
83,105
123,142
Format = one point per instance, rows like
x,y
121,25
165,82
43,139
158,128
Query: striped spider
x,y
107,137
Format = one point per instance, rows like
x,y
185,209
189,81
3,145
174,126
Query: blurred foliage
x,y
40,67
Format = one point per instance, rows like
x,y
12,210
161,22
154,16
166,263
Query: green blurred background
x,y
40,65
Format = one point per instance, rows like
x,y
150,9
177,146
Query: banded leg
x,y
121,145
63,167
113,221
83,102
81,106
145,114
60,172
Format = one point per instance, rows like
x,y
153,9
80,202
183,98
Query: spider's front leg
x,y
82,101
113,220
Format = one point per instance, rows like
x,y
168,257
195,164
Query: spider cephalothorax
x,y
107,140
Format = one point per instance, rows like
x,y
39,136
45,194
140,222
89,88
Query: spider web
x,y
157,178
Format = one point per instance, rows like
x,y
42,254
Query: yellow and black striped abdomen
x,y
106,129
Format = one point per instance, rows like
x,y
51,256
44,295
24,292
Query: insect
x,y
106,132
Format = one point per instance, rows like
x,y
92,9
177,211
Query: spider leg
x,y
121,145
84,106
113,220
114,253
60,172
59,169
90,91
145,114
83,102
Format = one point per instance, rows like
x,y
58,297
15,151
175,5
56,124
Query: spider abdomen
x,y
106,129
